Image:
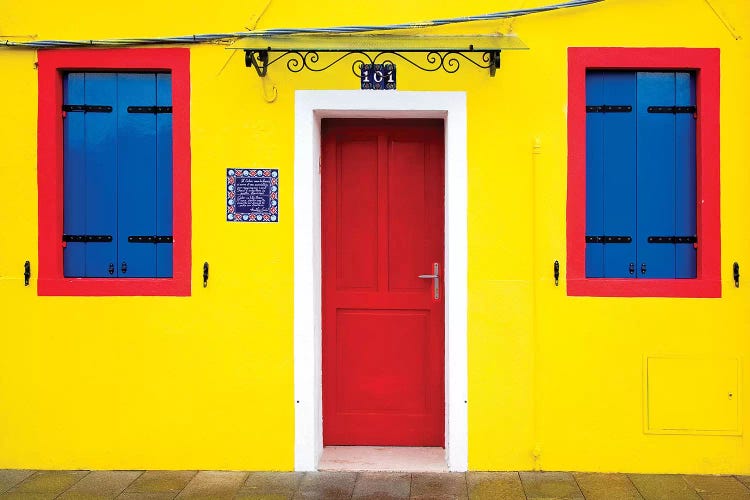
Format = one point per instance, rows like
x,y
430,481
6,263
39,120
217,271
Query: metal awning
x,y
425,52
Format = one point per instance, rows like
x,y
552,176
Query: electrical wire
x,y
215,37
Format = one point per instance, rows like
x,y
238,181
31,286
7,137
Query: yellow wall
x,y
555,382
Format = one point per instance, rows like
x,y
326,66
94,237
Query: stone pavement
x,y
157,485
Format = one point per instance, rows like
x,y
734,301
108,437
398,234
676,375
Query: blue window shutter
x,y
685,188
74,177
89,184
656,175
594,174
164,176
136,174
101,168
619,174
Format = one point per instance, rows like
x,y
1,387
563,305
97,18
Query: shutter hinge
x,y
606,108
87,238
608,239
673,239
86,108
150,239
672,109
149,109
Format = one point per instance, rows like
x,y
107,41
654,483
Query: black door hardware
x,y
149,239
608,239
87,238
86,108
557,272
605,108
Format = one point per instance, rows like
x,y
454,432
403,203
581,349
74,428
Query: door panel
x,y
357,205
383,332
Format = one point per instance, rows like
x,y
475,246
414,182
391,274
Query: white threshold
x,y
383,458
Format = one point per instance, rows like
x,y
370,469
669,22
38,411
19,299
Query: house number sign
x,y
252,195
378,76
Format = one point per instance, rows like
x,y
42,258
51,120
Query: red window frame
x,y
706,64
53,64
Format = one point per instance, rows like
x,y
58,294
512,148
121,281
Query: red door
x,y
383,326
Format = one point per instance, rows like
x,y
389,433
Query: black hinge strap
x,y
608,239
149,109
150,239
87,108
606,108
673,239
672,109
87,238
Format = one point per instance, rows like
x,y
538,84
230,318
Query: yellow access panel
x,y
692,396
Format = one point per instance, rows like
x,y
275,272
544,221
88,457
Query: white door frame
x,y
310,107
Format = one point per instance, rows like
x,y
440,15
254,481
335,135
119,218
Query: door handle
x,y
436,280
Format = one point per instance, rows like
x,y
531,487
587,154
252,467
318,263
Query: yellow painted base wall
x,y
555,382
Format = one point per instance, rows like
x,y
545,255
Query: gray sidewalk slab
x,y
329,485
214,485
270,486
663,487
161,481
718,487
45,484
100,485
606,486
492,485
550,485
439,485
382,486
11,477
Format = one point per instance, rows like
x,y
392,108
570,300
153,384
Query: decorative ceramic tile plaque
x,y
252,195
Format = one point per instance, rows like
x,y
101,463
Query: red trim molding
x,y
52,65
706,64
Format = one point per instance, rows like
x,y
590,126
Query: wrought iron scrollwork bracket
x,y
434,60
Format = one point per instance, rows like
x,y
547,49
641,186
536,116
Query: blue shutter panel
x,y
685,181
89,180
619,174
610,173
74,177
136,158
656,175
101,177
164,176
594,174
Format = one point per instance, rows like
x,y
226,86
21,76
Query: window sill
x,y
677,288
123,287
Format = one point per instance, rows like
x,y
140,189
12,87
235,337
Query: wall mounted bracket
x,y
428,53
